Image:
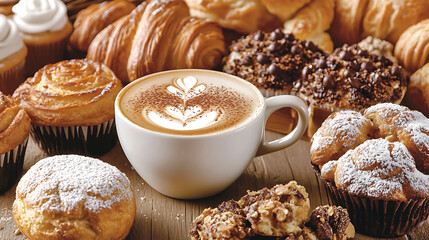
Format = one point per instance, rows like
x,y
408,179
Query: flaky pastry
x,y
68,93
91,20
412,48
74,197
14,124
156,36
245,16
417,96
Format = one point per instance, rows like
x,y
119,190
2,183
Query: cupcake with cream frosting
x,y
12,56
6,6
45,29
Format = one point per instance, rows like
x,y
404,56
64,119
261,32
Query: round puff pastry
x,y
412,48
69,93
417,96
91,20
74,197
14,124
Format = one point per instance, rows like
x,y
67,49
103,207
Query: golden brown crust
x,y
90,21
69,93
74,197
388,19
417,96
412,48
151,40
346,27
314,18
245,16
14,124
285,9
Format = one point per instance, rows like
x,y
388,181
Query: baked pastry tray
x,y
162,218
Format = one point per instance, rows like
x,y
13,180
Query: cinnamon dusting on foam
x,y
189,106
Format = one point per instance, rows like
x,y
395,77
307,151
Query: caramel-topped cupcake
x,y
45,29
12,56
271,61
71,105
14,132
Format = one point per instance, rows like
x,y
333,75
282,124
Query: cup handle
x,y
272,105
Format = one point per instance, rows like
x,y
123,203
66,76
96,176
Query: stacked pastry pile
x,y
279,213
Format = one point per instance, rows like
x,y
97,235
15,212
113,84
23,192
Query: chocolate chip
x,y
305,71
394,70
296,49
354,82
274,46
273,69
247,61
262,58
345,55
258,36
276,35
369,66
354,66
329,82
289,37
348,73
321,63
310,46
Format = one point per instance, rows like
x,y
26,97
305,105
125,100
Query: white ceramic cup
x,y
196,166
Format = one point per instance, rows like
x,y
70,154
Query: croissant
x,y
91,20
412,48
158,35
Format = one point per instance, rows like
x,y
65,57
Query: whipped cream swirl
x,y
10,41
37,16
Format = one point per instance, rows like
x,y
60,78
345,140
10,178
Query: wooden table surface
x,y
161,218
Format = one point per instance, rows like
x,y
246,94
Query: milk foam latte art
x,y
187,105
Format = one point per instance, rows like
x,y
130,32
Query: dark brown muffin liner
x,y
11,79
85,140
11,164
379,218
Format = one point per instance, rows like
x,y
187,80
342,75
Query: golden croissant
x,y
158,35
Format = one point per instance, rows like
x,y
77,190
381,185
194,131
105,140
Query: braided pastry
x,y
158,35
93,19
14,124
74,92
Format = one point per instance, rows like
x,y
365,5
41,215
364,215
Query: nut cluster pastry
x,y
277,213
156,36
74,92
271,61
383,153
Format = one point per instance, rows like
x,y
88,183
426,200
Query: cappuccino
x,y
197,104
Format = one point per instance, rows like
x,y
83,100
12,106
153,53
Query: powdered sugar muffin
x,y
74,197
376,164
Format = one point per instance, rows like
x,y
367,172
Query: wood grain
x,y
163,218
